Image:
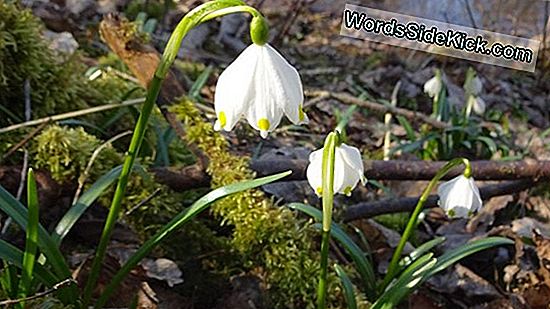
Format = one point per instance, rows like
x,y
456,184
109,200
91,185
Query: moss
x,y
65,152
56,85
272,242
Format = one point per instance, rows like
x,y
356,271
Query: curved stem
x,y
329,152
192,19
392,269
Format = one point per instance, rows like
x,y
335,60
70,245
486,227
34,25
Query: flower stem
x,y
329,151
196,16
411,225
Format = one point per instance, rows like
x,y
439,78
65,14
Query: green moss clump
x,y
65,152
271,240
57,84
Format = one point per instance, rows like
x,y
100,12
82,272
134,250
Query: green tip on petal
x,y
263,124
319,191
451,213
301,114
347,190
223,119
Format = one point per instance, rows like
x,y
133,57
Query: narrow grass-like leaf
x,y
489,142
162,157
349,293
410,279
177,222
200,82
14,256
461,252
13,208
9,278
87,198
411,135
31,240
362,264
420,251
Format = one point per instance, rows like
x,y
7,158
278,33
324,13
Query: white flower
x,y
348,169
459,197
474,86
261,86
433,86
478,105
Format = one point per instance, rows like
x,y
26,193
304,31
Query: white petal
x,y
352,157
314,171
478,105
459,197
287,87
265,111
234,89
433,86
341,173
350,180
474,87
477,202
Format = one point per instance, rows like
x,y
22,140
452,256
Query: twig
x,y
316,100
23,178
78,113
54,288
143,202
407,204
86,174
379,108
24,141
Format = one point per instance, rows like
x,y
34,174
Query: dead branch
x,y
418,170
192,177
189,177
407,204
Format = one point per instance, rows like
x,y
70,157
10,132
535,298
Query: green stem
x,y
196,16
116,203
411,225
329,151
322,287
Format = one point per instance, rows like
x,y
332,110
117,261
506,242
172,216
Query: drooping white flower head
x,y
459,197
478,105
348,169
433,86
261,86
474,86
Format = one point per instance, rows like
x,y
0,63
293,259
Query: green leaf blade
x,y
349,293
461,252
363,265
29,256
82,204
178,221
